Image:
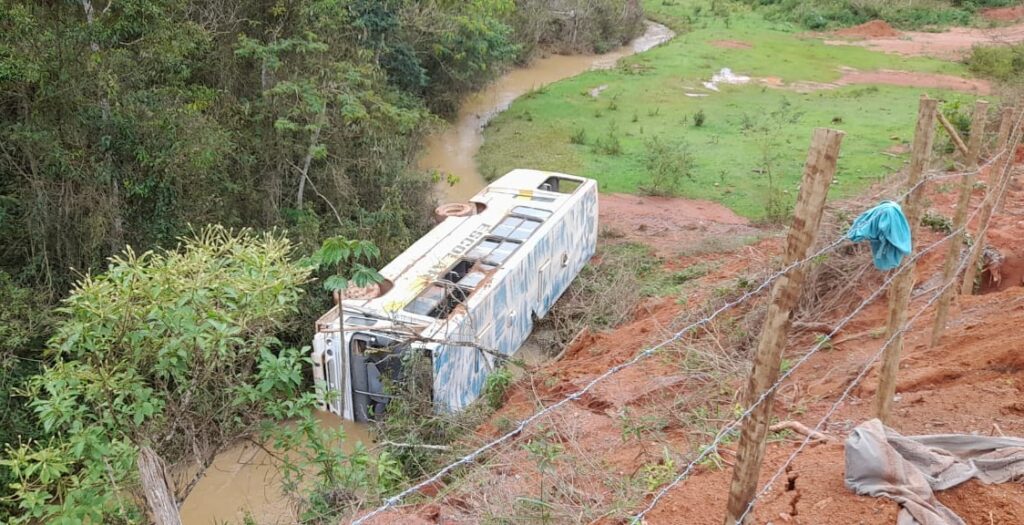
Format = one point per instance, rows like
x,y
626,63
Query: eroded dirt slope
x,y
597,460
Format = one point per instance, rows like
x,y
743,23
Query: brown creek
x,y
244,479
453,150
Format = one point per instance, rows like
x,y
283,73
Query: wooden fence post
x,y
899,292
818,172
1012,115
956,243
996,186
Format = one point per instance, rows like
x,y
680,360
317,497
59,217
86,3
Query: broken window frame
x,y
453,292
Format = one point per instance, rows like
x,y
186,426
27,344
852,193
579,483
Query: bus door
x,y
376,360
328,376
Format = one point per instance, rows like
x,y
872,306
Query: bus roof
x,y
530,192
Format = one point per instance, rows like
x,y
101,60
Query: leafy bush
x,y
937,222
496,386
175,350
831,14
579,137
764,132
610,144
958,112
698,118
1003,63
667,165
323,481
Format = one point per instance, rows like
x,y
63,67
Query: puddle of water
x,y
453,150
245,478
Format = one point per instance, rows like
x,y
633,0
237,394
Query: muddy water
x,y
453,150
245,479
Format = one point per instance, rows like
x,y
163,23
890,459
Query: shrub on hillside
x,y
174,350
1003,63
576,26
831,14
667,164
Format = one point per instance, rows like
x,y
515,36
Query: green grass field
x,y
561,126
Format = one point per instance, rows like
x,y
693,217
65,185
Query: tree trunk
x,y
158,489
116,235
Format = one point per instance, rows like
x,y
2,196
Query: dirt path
x,y
890,77
670,226
953,44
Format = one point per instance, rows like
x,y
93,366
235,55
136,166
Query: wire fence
x,y
468,458
846,393
728,429
523,424
821,343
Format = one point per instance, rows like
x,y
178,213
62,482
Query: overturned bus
x,y
464,294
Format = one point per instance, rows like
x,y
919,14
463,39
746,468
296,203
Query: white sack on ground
x,y
907,469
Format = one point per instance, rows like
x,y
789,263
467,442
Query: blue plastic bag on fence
x,y
887,229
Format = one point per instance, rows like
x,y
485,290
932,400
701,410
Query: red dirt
x,y
731,44
912,79
872,29
972,382
667,224
852,77
1004,14
953,44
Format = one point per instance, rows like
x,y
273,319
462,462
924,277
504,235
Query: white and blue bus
x,y
466,292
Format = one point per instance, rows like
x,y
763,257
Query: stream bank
x,y
452,151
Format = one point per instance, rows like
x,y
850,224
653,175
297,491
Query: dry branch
x,y
801,429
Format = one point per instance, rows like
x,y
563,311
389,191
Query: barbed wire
x,y
964,259
394,500
468,458
722,434
935,175
846,393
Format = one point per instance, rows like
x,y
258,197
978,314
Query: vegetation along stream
x,y
453,150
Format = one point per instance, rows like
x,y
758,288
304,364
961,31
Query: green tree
x,y
175,350
345,257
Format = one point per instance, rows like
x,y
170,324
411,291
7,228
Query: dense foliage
x,y
576,26
124,122
171,350
128,124
24,319
830,14
1003,63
